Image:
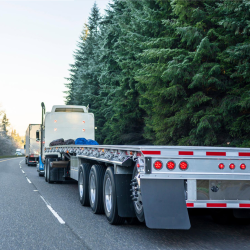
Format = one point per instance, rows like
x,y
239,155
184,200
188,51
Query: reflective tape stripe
x,y
244,205
217,205
151,152
186,153
244,154
215,153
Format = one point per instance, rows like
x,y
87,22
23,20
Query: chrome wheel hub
x,y
80,184
92,188
108,194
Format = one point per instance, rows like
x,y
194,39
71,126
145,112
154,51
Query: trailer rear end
x,y
32,147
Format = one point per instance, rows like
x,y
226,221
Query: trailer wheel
x,y
96,188
83,183
222,216
28,162
138,206
45,169
48,170
109,198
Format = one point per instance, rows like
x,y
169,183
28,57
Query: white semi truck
x,y
32,146
156,184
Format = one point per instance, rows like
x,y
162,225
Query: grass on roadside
x,y
11,156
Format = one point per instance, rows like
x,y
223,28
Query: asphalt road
x,y
38,215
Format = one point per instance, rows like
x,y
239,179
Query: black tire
x,y
45,169
133,221
223,216
138,212
48,170
96,176
83,179
26,162
41,174
111,210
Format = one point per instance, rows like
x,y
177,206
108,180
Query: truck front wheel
x,y
109,198
45,169
83,183
48,170
96,188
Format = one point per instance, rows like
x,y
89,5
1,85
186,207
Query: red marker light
x,y
183,165
83,130
55,121
83,121
55,129
221,166
170,165
158,165
138,165
242,166
232,166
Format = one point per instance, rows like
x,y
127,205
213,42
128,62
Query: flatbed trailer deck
x,y
211,177
155,184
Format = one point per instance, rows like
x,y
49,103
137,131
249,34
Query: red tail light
x,y
221,166
158,165
138,165
171,165
232,166
183,165
242,166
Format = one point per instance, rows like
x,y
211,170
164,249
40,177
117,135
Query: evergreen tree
x,y
166,72
5,123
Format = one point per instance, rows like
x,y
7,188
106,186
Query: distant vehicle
x,y
32,147
18,150
18,153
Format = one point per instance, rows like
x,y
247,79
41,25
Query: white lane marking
x,y
23,172
28,180
53,211
35,190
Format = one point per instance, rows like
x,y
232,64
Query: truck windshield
x,y
69,110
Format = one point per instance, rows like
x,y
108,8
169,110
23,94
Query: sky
x,y
37,40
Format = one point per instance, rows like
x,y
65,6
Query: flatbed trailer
x,y
154,183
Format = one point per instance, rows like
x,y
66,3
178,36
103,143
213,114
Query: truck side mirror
x,y
37,135
24,146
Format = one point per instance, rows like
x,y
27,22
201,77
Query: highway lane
x,y
25,220
93,231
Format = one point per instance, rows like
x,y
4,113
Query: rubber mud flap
x,y
124,201
164,204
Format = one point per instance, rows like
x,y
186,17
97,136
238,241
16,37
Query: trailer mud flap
x,y
164,204
124,202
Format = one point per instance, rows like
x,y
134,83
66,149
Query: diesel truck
x,y
32,146
155,184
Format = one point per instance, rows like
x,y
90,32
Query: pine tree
x,y
5,123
